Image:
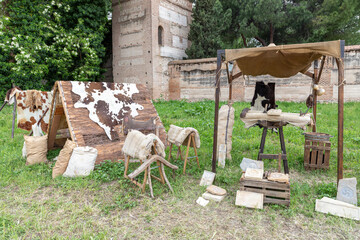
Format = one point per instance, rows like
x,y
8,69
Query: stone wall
x,y
140,53
195,79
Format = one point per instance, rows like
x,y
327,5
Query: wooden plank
x,y
306,153
327,155
271,156
313,153
265,184
277,201
320,155
318,148
278,194
52,135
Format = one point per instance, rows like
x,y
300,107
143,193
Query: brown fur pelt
x,y
33,99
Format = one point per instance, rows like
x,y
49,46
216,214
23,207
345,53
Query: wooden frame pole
x,y
314,80
340,64
220,54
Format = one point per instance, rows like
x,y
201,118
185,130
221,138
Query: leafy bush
x,y
45,41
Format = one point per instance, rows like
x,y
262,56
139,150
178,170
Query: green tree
x,y
209,22
45,41
260,22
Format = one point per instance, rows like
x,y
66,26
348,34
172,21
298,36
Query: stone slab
x,y
216,198
216,190
207,178
278,177
337,208
202,202
249,199
347,191
222,155
247,162
254,174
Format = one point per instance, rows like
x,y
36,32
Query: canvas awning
x,y
281,61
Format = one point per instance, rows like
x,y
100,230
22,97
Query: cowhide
x,y
264,95
28,116
107,105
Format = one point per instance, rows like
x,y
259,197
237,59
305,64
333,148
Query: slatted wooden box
x,y
274,192
317,151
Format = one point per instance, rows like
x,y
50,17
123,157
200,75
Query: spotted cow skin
x,y
27,117
107,105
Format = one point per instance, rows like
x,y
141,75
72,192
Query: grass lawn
x,y
104,205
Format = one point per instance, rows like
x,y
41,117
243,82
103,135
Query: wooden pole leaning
x,y
220,54
14,117
340,64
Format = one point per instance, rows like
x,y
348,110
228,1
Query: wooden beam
x,y
340,64
239,74
321,68
314,93
309,74
220,54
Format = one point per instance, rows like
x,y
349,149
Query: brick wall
x,y
195,79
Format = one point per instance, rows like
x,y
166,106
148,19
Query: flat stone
x,y
337,208
249,163
249,199
254,174
222,155
278,177
216,190
202,202
207,178
347,191
216,198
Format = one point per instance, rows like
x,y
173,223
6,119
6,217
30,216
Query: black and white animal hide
x,y
264,96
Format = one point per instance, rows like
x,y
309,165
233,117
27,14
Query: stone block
x,y
216,198
347,191
249,199
254,174
216,190
337,208
202,202
207,178
278,177
247,162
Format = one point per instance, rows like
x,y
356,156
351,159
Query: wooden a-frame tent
x,y
284,61
69,121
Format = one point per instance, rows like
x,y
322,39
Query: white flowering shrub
x,y
45,41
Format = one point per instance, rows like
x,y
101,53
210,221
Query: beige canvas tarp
x,y
281,61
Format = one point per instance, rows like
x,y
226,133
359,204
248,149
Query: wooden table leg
x,y
282,142
126,165
187,154
171,145
150,185
262,143
193,141
147,170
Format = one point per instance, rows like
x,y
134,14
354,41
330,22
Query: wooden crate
x,y
316,154
274,192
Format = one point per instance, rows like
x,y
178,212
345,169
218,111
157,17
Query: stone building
x,y
147,35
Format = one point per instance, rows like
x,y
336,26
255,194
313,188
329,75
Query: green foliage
x,y
45,41
260,22
209,22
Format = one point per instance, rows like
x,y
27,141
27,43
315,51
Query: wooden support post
x,y
187,153
171,145
194,145
340,64
314,93
220,54
14,117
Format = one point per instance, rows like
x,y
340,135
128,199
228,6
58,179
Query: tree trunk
x,y
272,30
262,41
244,40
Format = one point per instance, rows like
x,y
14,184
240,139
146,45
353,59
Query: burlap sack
x,y
82,162
36,149
63,158
225,128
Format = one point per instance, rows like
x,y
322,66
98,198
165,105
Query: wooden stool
x,y
190,143
146,166
261,155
